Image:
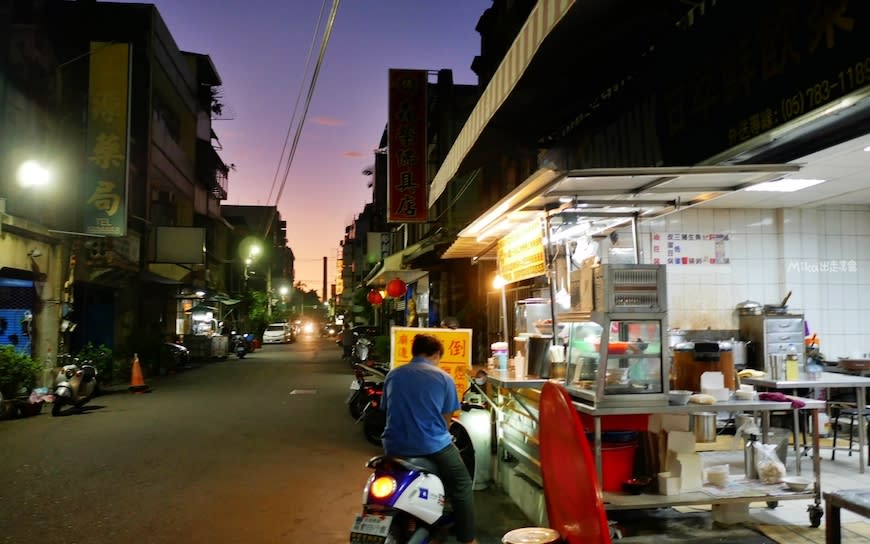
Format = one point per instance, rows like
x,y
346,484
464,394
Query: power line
x,y
330,23
298,98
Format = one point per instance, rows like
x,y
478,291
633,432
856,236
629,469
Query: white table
x,y
828,380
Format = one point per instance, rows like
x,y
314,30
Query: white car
x,y
278,333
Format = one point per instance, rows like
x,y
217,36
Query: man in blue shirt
x,y
420,399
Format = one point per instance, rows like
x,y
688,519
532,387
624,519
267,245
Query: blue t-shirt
x,y
416,397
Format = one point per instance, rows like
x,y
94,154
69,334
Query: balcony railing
x,y
211,170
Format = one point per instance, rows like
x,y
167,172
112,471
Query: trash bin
x,y
618,449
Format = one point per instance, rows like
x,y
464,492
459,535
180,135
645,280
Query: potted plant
x,y
18,374
102,358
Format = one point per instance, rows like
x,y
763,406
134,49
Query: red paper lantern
x,y
396,288
374,297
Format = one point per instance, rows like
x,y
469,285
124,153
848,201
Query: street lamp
x,y
499,283
283,290
32,174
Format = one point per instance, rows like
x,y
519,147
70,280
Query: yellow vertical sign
x,y
105,188
457,351
521,253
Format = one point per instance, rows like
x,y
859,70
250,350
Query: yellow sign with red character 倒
x,y
457,351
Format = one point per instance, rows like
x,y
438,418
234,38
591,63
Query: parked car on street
x,y
279,333
174,356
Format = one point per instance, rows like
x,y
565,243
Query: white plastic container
x,y
718,475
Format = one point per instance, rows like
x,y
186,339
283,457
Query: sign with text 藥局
x,y
457,351
105,184
407,183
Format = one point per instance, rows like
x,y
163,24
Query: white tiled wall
x,y
821,254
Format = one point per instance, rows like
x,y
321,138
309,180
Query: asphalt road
x,y
260,450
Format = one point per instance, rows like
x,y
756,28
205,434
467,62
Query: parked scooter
x,y
359,353
365,376
373,418
76,385
239,345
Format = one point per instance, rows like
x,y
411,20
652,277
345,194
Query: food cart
x,y
609,313
203,335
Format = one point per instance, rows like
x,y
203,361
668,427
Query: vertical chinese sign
x,y
457,351
105,184
406,182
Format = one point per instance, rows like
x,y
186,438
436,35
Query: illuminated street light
x,y
255,250
499,283
283,290
33,174
248,261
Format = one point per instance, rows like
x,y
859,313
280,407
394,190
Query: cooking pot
x,y
676,337
777,309
749,307
738,351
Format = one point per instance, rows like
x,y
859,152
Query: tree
x,y
258,316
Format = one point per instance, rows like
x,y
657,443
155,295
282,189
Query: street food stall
x,y
201,330
606,345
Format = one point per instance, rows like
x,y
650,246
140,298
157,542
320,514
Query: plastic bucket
x,y
617,464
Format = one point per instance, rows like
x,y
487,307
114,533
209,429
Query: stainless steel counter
x,y
828,380
503,379
614,501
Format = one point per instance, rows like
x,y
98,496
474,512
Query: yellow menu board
x,y
457,351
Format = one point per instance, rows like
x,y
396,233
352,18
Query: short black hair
x,y
427,345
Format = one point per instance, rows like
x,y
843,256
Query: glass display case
x,y
533,316
616,359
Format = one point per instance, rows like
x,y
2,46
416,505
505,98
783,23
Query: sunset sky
x,y
259,48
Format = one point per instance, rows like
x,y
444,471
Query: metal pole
x,y
269,289
548,252
324,299
504,317
635,237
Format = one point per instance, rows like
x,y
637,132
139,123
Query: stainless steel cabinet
x,y
772,334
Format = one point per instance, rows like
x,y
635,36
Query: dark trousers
x,y
458,488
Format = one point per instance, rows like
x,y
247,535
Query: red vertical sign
x,y
407,200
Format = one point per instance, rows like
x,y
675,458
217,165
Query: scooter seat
x,y
419,464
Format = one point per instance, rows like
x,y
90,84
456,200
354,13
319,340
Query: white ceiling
x,y
653,191
846,167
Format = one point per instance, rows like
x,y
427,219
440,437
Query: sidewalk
x,y
496,515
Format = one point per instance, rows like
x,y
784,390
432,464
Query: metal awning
x,y
608,197
147,276
393,267
541,21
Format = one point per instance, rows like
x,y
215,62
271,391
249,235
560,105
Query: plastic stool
x,y
531,535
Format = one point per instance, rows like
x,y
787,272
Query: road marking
x,y
303,392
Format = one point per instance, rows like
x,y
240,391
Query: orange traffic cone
x,y
137,382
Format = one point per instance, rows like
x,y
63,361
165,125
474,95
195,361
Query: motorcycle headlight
x,y
383,487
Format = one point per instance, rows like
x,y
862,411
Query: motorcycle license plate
x,y
370,529
354,385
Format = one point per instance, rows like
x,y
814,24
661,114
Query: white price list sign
x,y
690,249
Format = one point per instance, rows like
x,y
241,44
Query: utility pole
x,y
269,288
325,292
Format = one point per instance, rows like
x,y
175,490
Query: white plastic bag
x,y
770,468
